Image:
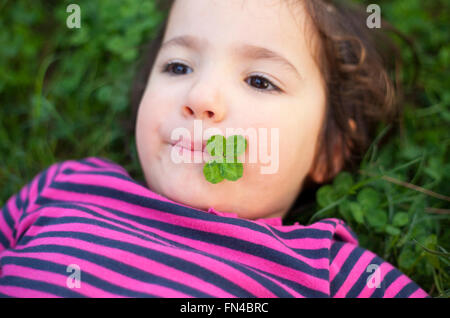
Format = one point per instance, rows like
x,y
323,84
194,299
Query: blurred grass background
x,y
64,91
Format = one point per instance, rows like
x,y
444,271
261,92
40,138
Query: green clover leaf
x,y
212,173
216,145
231,171
237,144
226,165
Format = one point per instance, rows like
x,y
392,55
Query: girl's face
x,y
239,64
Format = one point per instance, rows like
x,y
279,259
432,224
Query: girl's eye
x,y
258,81
174,67
261,83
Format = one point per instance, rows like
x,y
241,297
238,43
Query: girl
x,y
307,68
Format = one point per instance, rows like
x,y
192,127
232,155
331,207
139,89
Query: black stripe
x,y
19,202
327,221
150,223
309,253
335,248
27,197
133,230
237,244
280,292
7,216
185,211
47,221
407,290
86,162
121,176
4,241
108,161
388,279
4,296
349,230
312,254
362,281
85,277
301,289
38,285
42,180
152,254
116,266
345,270
58,169
274,288
339,238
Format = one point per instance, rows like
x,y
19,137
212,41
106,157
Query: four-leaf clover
x,y
225,164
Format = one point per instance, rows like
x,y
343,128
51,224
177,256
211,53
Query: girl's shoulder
x,y
90,164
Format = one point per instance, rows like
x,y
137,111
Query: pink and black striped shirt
x,y
85,228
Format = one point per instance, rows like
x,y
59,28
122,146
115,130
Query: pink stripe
x,y
34,191
162,270
339,260
111,182
286,288
139,262
344,232
420,293
136,189
396,286
5,229
384,269
54,279
107,166
309,244
225,229
279,270
23,192
82,167
304,243
108,275
240,233
241,279
34,186
14,212
317,226
77,167
357,271
27,222
253,261
243,258
13,291
131,187
111,219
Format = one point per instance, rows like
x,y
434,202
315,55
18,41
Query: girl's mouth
x,y
192,146
188,148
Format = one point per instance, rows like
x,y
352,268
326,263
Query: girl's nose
x,y
206,113
205,102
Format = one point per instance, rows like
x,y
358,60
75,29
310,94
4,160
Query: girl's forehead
x,y
270,24
268,20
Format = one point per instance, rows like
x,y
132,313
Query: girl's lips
x,y
195,148
192,145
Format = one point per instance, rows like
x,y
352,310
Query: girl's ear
x,y
340,152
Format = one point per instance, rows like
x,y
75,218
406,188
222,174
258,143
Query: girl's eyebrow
x,y
245,50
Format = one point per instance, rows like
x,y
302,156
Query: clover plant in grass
x,y
224,164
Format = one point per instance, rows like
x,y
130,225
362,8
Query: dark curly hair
x,y
360,67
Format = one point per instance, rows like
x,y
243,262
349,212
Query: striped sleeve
x,y
356,272
21,202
